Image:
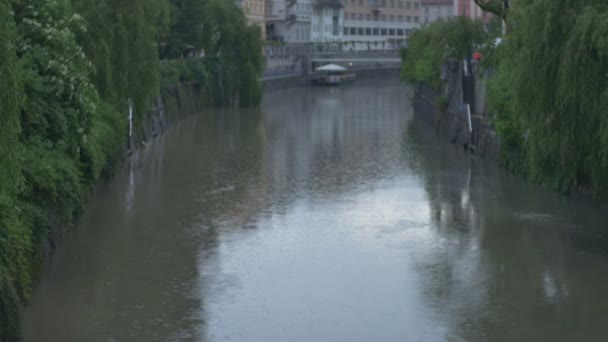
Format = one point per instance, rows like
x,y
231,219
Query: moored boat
x,y
332,74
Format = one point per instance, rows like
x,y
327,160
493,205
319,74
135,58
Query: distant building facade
x,y
326,21
255,12
288,20
433,10
370,22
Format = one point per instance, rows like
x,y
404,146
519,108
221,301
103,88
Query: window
x,y
360,31
408,19
400,32
346,30
400,4
360,2
383,17
383,32
391,18
383,3
346,15
376,31
360,16
400,18
416,5
368,17
391,32
426,10
416,19
391,3
353,31
368,31
408,4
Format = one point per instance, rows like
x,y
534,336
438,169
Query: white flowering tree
x,y
61,100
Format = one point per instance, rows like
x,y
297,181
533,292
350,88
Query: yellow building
x,y
255,11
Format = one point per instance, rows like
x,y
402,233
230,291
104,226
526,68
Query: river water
x,y
326,215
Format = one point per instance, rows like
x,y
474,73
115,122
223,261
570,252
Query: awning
x,y
331,67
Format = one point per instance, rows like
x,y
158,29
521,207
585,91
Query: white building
x,y
288,20
378,24
327,21
433,10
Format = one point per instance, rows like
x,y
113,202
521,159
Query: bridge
x,y
299,63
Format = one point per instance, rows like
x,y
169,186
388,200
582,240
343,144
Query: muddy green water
x,y
327,215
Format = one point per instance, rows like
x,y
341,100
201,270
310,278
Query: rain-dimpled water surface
x,y
328,214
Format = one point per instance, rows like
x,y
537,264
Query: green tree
x,y
56,118
13,246
122,39
11,100
187,28
233,53
497,7
556,73
430,46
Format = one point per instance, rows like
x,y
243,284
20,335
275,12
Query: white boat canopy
x,y
330,67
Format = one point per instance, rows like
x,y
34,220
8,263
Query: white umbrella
x,y
331,67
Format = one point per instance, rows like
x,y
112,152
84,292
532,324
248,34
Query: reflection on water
x,y
327,215
515,262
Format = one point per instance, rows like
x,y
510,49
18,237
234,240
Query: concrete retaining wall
x,y
453,124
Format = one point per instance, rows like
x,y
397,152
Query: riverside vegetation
x,y
69,70
549,96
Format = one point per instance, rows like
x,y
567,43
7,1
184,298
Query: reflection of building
x,y
288,20
254,11
433,10
326,20
380,20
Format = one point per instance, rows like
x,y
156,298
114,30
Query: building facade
x,y
371,24
326,21
288,20
433,10
255,12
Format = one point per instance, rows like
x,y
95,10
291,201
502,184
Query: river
x,y
326,215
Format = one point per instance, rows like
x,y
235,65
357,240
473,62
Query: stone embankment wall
x,y
173,105
453,124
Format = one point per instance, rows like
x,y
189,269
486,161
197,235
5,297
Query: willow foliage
x,y
233,51
11,244
11,100
122,41
187,29
556,71
431,45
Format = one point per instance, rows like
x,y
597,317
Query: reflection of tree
x,y
136,267
505,267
